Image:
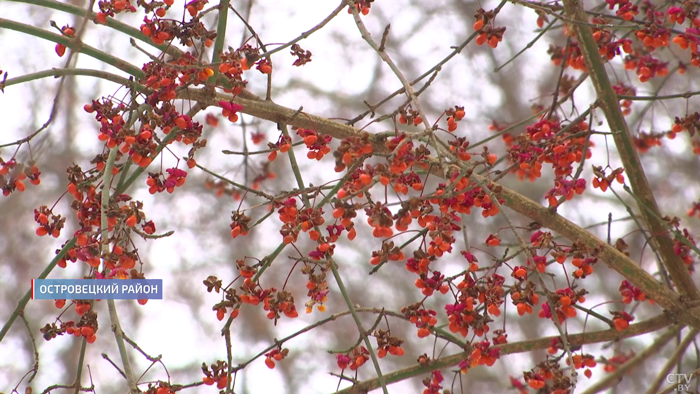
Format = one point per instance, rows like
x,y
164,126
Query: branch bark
x,y
610,104
575,340
665,297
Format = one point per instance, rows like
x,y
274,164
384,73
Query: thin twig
x,y
614,377
550,297
81,361
114,318
408,88
672,361
35,367
334,269
307,33
106,357
609,103
526,346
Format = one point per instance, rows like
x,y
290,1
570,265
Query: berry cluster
x,y
486,29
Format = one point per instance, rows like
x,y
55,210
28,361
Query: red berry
x,y
60,50
222,382
86,331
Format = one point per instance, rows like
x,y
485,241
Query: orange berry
x,y
535,384
621,324
365,179
310,139
265,68
494,310
86,331
19,185
681,42
80,309
181,122
60,50
493,242
131,221
82,240
314,235
101,18
145,162
565,300
396,351
338,213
